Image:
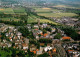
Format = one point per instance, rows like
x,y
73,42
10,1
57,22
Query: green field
x,y
9,19
33,19
7,10
47,21
57,14
19,10
53,12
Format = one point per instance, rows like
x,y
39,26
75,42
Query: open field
x,y
45,10
49,12
60,6
33,19
47,21
7,10
19,10
57,14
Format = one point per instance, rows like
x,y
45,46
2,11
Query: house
x,y
70,47
33,47
9,44
50,53
4,45
65,38
44,25
42,44
29,26
40,51
19,46
36,26
19,34
26,40
53,30
70,51
0,36
54,50
39,32
25,46
4,40
46,35
34,51
10,38
37,37
47,48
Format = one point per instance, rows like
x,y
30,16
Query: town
x,y
45,39
39,28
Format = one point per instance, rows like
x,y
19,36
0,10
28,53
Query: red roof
x,y
41,33
54,50
45,34
24,44
0,35
70,50
41,44
34,52
66,38
35,29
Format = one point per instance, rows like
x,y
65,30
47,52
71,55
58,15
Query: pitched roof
x,y
0,36
35,29
24,45
34,52
45,34
54,50
41,33
41,44
66,38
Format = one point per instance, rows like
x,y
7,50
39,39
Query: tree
x,y
72,33
58,36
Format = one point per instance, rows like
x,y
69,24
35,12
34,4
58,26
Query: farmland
x,y
12,11
49,12
7,10
9,19
33,18
19,10
57,14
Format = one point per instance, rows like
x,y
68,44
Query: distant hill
x,y
75,3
